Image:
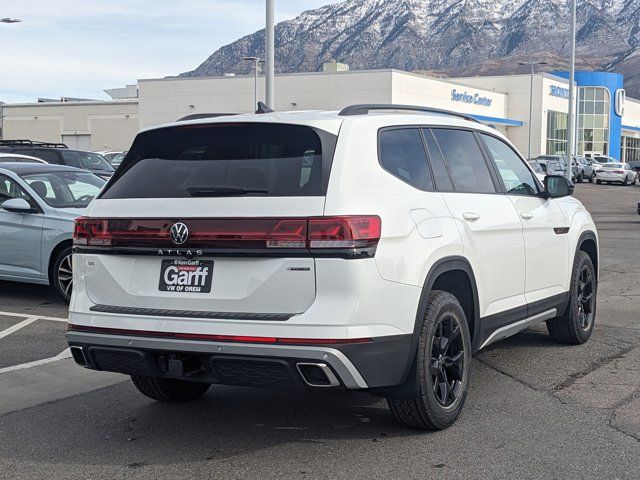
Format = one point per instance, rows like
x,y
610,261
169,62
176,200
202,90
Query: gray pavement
x,y
535,409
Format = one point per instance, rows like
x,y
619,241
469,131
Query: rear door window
x,y
403,155
48,156
210,160
465,161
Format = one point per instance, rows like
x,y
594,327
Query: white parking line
x,y
17,327
61,356
36,317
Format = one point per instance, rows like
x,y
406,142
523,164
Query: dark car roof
x,y
27,168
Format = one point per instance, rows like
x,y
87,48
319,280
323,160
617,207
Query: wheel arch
x,y
68,243
454,275
588,243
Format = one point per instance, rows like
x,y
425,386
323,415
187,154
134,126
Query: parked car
x,y
17,158
584,170
602,159
38,204
117,160
58,154
615,173
248,250
108,155
544,161
537,169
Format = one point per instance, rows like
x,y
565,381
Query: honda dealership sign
x,y
621,96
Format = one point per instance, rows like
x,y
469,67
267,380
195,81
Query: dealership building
x,y
608,122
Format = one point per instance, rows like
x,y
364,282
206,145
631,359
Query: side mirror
x,y
17,205
558,186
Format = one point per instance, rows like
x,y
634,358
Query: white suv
x,y
377,248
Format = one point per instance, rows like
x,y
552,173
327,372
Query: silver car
x,y
38,205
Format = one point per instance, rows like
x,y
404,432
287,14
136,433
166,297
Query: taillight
x,y
618,171
317,234
344,232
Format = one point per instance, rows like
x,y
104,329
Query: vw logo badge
x,y
179,233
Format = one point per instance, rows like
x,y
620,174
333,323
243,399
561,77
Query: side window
x,y
402,154
440,173
464,159
517,178
48,156
10,189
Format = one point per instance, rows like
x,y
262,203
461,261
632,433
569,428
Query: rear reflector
x,y
321,233
219,338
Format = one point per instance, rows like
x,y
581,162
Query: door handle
x,y
471,216
526,215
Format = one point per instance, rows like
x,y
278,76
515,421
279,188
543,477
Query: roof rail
x,y
31,143
364,109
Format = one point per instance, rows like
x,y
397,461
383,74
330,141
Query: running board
x,y
512,329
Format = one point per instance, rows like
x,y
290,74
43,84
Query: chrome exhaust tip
x,y
317,375
78,355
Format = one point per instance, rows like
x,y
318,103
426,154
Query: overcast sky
x,y
77,48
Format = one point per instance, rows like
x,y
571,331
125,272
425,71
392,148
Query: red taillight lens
x,y
618,171
344,232
315,233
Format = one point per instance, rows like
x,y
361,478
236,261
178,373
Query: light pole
x,y
572,76
270,36
256,61
10,20
531,64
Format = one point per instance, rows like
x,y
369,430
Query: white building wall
x,y
166,100
111,125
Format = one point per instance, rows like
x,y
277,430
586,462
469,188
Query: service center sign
x,y
474,99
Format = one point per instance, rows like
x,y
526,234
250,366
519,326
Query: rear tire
x,y
599,182
625,183
441,368
575,326
580,178
62,273
592,178
169,390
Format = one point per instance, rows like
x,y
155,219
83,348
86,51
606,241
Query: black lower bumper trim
x,y
155,312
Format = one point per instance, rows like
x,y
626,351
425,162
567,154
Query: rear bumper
x,y
384,362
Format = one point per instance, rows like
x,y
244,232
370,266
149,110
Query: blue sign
x,y
475,99
559,92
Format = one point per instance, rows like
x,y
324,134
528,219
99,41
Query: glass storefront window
x,y
556,133
594,105
631,149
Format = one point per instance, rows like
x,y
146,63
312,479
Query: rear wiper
x,y
224,191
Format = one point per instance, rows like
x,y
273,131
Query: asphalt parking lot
x,y
535,410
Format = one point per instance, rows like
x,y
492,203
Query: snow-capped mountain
x,y
453,36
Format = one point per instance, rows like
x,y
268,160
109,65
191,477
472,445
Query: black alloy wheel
x,y
447,361
586,298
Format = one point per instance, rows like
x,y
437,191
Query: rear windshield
x,y
220,160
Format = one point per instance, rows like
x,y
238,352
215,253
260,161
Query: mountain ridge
x,y
456,37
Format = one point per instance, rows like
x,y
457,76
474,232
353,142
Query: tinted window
x,y
402,154
439,168
48,156
468,170
517,178
258,159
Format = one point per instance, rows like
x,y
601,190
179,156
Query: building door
x,y
78,142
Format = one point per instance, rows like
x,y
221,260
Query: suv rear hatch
x,y
209,217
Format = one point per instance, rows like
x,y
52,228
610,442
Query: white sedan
x,y
615,172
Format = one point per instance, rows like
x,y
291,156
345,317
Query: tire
x,y
580,178
575,326
592,178
625,183
169,390
437,404
599,182
62,273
